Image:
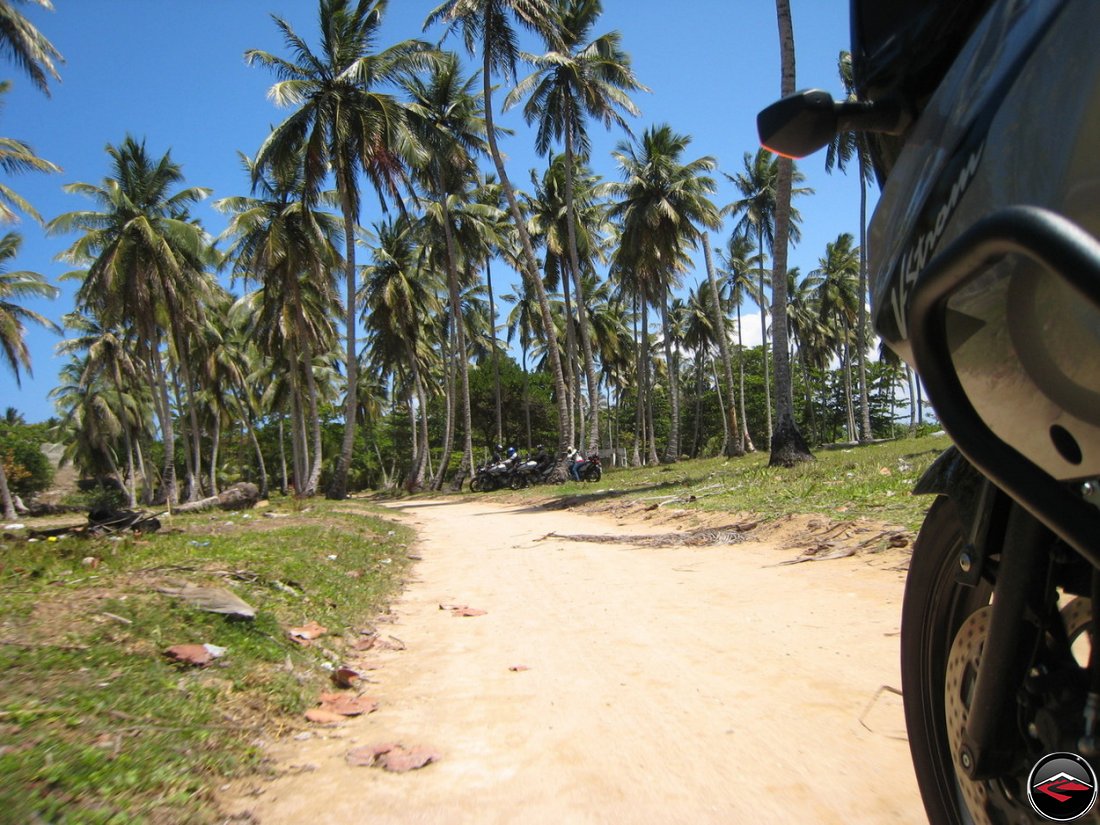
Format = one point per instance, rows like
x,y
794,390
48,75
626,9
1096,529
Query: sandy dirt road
x,y
663,685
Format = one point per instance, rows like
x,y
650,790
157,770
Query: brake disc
x,y
962,673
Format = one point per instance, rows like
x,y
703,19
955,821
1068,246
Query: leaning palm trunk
x,y
495,355
593,442
338,489
764,340
127,440
672,451
530,270
310,487
734,442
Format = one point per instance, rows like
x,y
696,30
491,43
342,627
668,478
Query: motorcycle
x,y
588,467
494,474
981,120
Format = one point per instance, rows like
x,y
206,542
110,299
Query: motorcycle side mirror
x,y
800,124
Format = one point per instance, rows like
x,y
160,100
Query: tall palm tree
x,y
280,239
838,305
446,119
490,23
107,353
845,147
737,266
663,205
343,124
756,210
788,447
402,301
575,80
15,286
27,47
145,262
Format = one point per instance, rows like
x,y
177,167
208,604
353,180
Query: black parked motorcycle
x,y
982,120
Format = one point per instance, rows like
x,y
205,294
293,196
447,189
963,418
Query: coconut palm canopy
x,y
460,169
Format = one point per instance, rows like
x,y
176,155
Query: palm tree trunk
x,y
284,486
735,445
526,398
764,340
718,388
338,488
466,464
865,434
646,370
672,450
531,267
749,446
246,417
190,491
127,439
168,433
196,431
570,373
310,487
639,416
215,441
697,428
5,494
582,306
495,355
449,390
787,445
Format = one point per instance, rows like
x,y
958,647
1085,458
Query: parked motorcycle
x,y
982,121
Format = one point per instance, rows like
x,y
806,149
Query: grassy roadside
x,y
97,725
872,481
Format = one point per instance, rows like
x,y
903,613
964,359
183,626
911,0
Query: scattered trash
x,y
15,526
392,756
198,655
324,717
307,632
211,599
199,543
90,561
518,668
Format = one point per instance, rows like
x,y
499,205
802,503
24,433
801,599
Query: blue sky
x,y
174,75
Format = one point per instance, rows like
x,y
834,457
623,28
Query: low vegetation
x,y
97,725
871,481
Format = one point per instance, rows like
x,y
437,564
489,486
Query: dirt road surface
x,y
670,685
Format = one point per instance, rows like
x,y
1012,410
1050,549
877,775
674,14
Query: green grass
x,y
97,726
872,481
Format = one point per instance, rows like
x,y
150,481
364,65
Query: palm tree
x,y
15,286
844,147
838,305
663,205
737,264
27,47
145,262
758,185
787,444
343,123
445,117
572,81
402,301
107,353
490,22
291,248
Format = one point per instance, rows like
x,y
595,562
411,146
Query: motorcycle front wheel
x,y
943,631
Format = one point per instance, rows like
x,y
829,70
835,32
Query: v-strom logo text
x,y
919,252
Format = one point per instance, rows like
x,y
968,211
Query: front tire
x,y
934,609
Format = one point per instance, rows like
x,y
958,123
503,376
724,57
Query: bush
x,y
27,469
